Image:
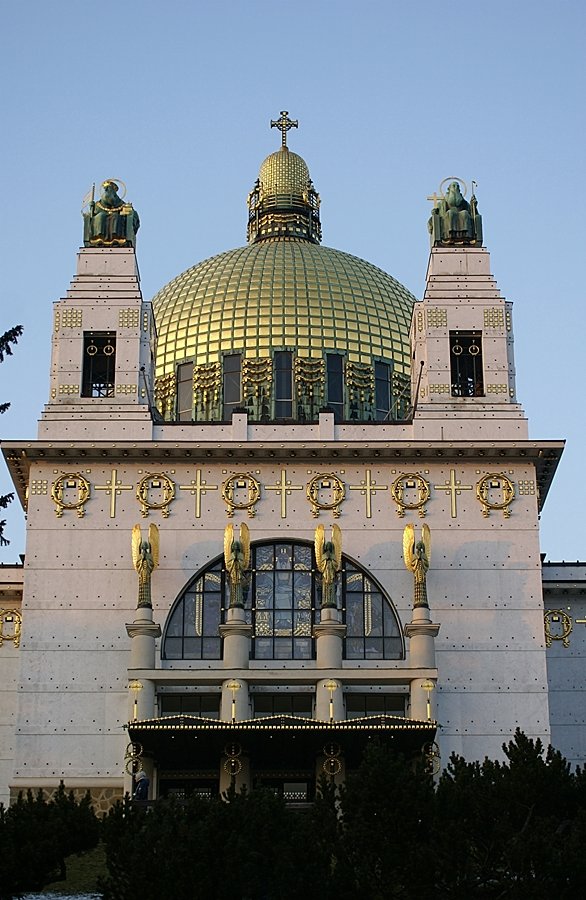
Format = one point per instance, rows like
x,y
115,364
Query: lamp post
x,y
135,687
234,686
428,686
331,686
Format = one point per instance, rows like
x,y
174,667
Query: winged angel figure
x,y
237,560
145,558
328,556
417,558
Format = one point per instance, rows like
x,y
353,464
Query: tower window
x,y
99,364
185,392
232,383
382,391
283,384
466,364
335,384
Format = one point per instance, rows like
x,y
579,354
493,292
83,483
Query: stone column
x,y
421,632
236,634
141,700
329,637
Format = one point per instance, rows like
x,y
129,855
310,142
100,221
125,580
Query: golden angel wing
x,y
409,546
228,541
136,539
319,546
426,538
337,542
154,542
245,544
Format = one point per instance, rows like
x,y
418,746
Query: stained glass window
x,y
282,603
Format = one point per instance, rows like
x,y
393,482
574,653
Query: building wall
x,y
564,595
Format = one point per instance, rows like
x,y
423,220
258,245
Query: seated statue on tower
x,y
109,221
455,221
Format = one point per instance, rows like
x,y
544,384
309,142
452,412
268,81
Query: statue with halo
x,y
109,221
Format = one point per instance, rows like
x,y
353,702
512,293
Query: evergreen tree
x,y
6,340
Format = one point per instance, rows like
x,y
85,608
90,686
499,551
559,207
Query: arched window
x,y
282,603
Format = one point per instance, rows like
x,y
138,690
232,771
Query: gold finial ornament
x,y
328,557
284,124
237,561
417,558
145,558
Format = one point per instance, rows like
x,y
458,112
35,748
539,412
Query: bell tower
x,y
461,333
103,342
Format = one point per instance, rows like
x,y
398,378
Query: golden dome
x,y
284,172
282,294
283,326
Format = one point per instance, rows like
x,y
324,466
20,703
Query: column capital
x,y
414,628
150,629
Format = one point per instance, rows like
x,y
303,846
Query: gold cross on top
x,y
284,124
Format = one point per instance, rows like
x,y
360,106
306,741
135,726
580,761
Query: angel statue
x,y
237,560
417,558
328,556
145,557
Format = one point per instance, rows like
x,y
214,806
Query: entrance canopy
x,y
179,742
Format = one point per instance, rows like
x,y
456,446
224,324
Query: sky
x,y
392,97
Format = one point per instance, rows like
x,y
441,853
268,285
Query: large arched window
x,y
282,603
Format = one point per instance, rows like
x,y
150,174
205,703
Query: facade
x,y
276,388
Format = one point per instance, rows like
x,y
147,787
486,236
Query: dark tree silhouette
x,y
6,341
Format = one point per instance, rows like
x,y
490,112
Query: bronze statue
x,y
455,221
328,556
109,221
417,557
145,558
237,560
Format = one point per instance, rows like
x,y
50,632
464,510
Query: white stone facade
x,y
464,465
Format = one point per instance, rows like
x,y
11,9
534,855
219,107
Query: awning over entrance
x,y
284,742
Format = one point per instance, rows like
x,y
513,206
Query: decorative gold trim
x,y
367,488
71,318
159,481
494,317
241,480
39,486
284,488
454,488
113,488
436,317
322,482
557,615
83,493
128,318
13,619
498,481
197,487
398,487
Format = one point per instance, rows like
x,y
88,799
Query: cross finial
x,y
284,124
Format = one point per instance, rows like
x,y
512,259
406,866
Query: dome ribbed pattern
x,y
283,294
283,172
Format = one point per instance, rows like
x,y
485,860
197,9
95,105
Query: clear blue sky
x,y
175,98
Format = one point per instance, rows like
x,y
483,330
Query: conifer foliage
x,y
6,341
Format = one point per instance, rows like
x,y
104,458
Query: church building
x,y
280,510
